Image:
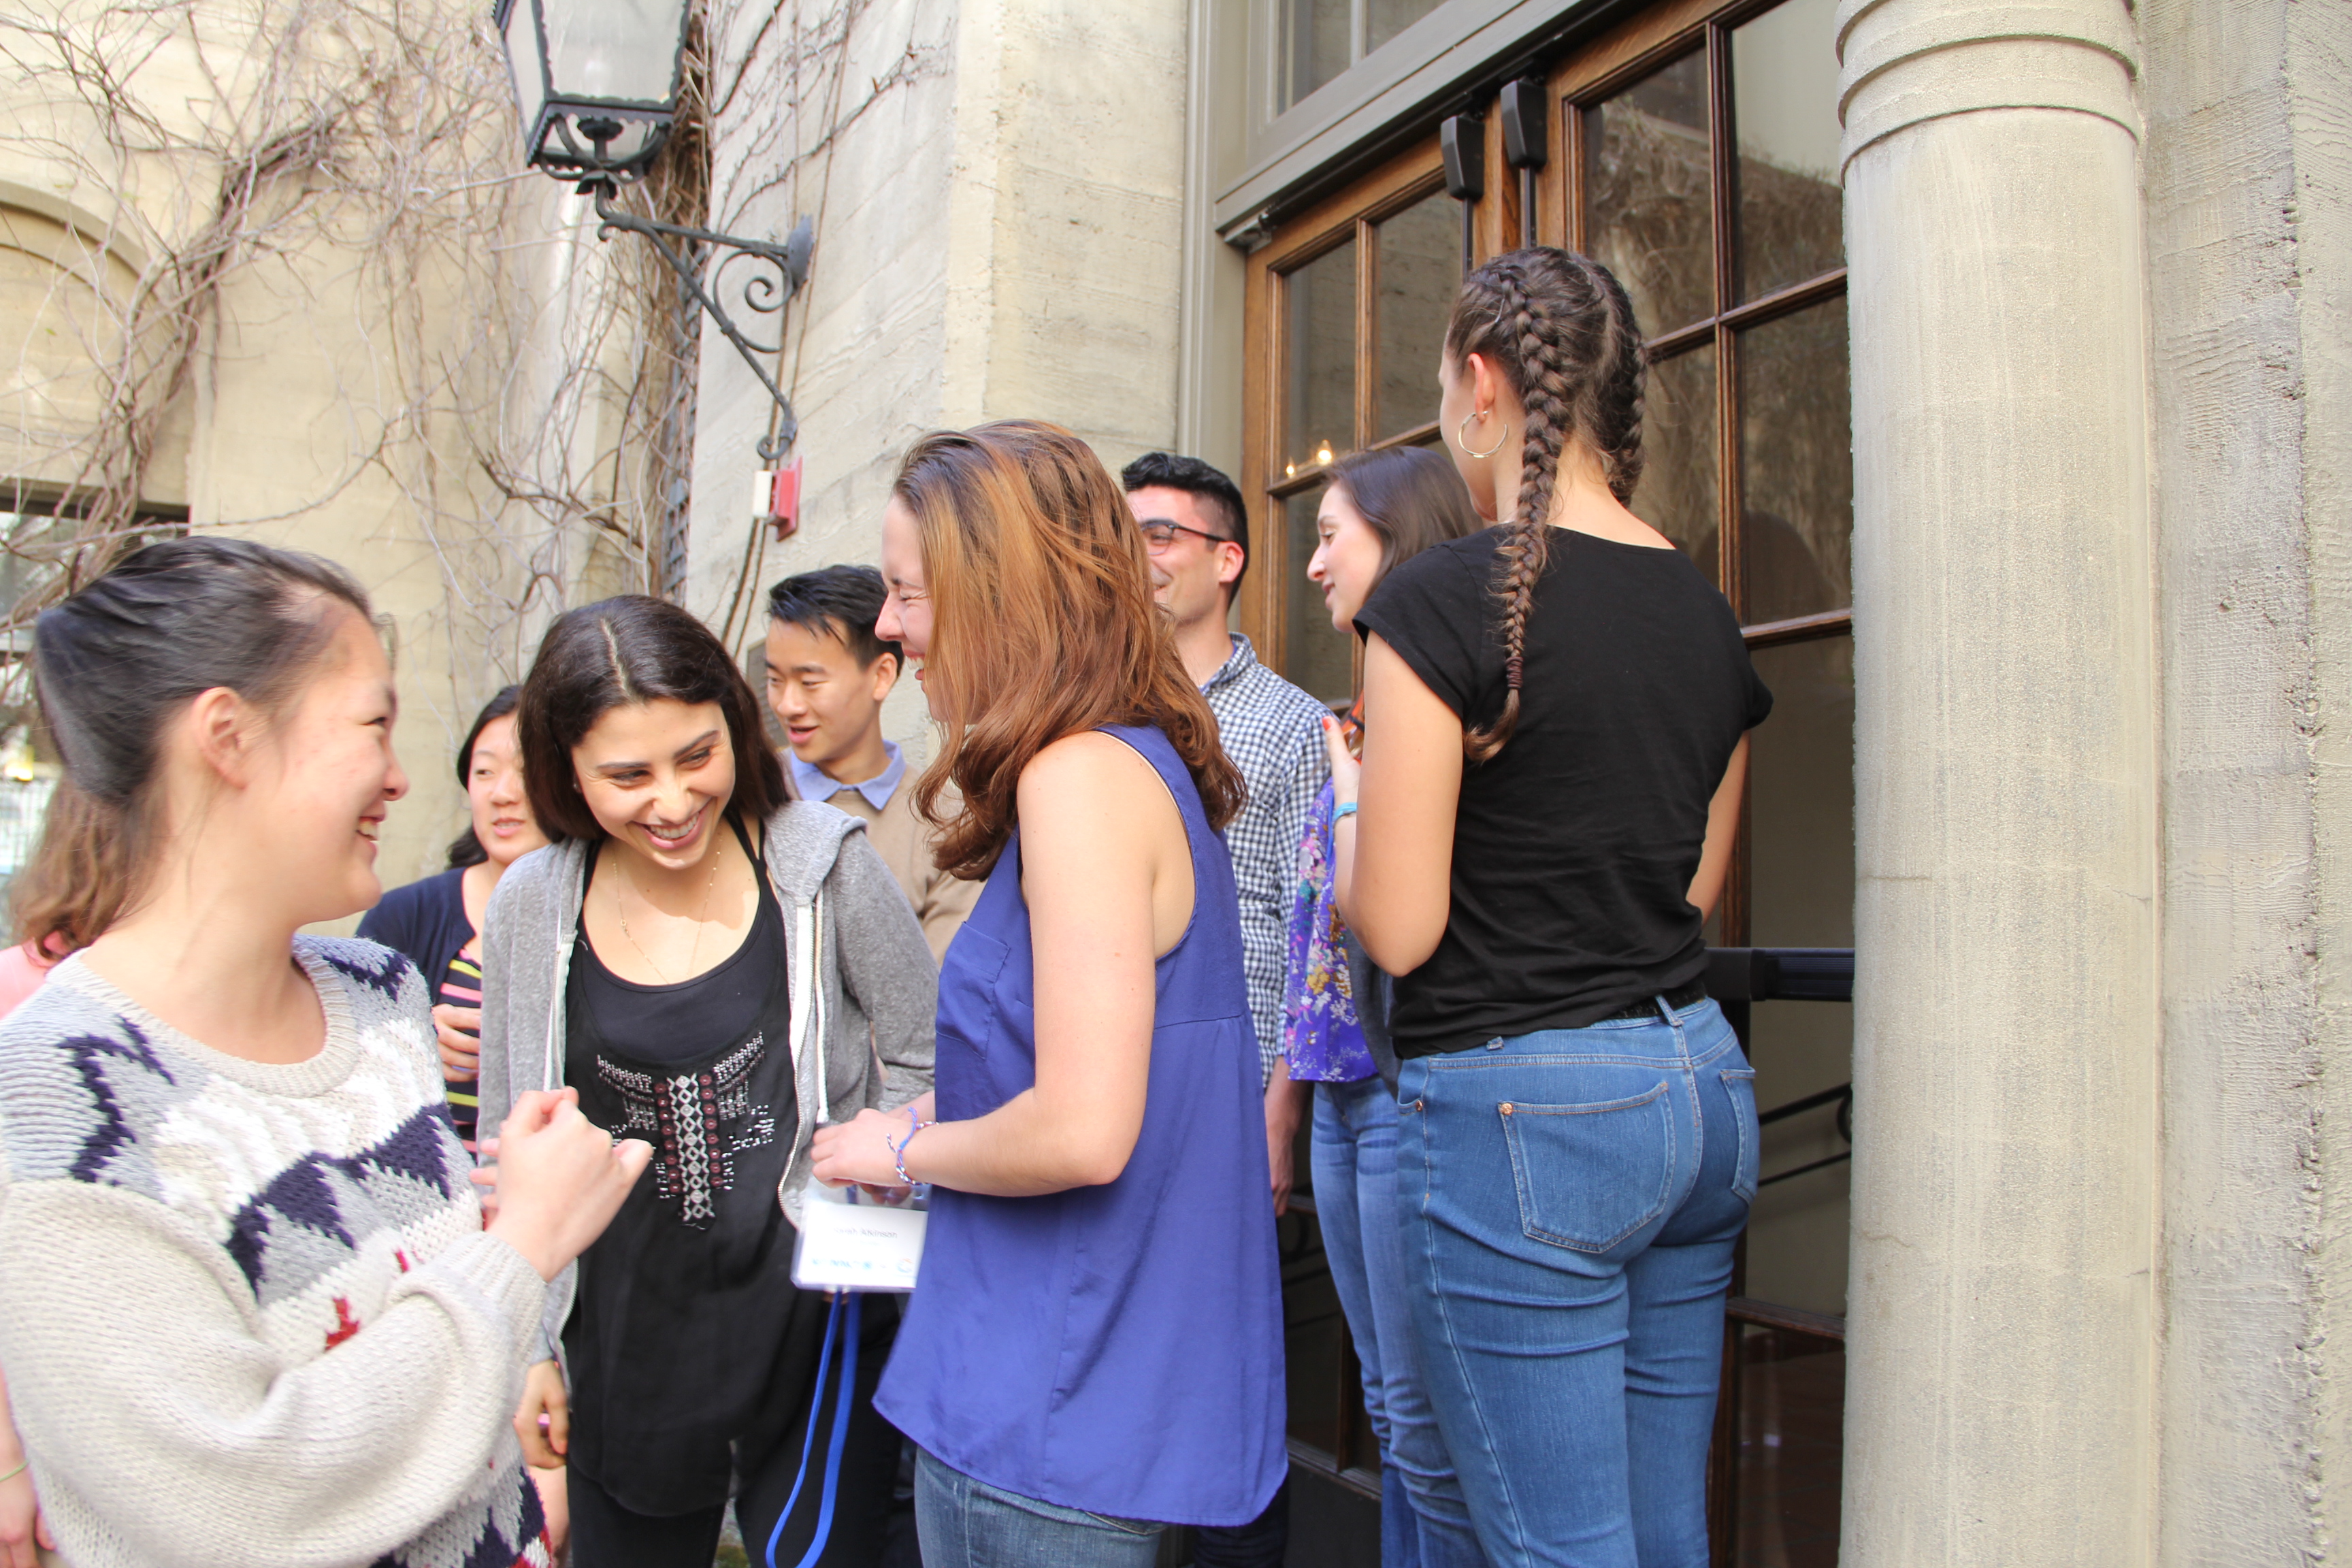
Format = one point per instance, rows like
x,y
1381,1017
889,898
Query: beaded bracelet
x,y
898,1151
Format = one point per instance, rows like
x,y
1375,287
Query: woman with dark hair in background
x,y
69,892
1381,509
1555,745
1100,1156
250,1311
698,954
64,897
437,920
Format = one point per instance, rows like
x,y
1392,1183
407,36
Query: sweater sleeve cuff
x,y
509,1282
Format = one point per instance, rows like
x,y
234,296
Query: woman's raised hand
x,y
458,1032
861,1151
543,1422
1346,772
560,1179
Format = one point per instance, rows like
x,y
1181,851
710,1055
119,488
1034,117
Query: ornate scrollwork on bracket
x,y
777,273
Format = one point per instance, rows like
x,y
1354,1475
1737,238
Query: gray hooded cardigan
x,y
864,988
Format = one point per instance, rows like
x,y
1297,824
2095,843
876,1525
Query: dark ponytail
x,y
1558,327
466,849
115,662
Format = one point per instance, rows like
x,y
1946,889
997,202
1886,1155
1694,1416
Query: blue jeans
x,y
1354,1149
1569,1202
965,1523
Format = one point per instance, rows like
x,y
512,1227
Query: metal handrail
x,y
1780,973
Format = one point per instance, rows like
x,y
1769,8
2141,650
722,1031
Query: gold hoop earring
x,y
1462,438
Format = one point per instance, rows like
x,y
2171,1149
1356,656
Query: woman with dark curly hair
x,y
699,956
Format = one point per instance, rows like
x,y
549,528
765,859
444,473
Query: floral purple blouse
x,y
1322,1037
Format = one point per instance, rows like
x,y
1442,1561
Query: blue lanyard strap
x,y
839,1325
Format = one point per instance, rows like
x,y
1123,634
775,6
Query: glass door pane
x,y
1419,272
1801,783
1391,18
1790,1430
1314,45
1319,311
1796,464
1649,195
1677,495
1784,96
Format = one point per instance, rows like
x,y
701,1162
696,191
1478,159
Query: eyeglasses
x,y
1158,536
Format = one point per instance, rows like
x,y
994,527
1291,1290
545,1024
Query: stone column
x,y
2000,1332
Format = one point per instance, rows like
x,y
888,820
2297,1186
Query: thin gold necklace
x,y
718,855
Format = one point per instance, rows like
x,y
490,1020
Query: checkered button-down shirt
x,y
1274,733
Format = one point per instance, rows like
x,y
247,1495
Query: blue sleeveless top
x,y
1116,1349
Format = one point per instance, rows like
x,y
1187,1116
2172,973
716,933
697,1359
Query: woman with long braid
x,y
1556,711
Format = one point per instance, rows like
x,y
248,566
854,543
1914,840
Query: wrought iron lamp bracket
x,y
779,272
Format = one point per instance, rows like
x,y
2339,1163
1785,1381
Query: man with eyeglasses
x,y
1194,526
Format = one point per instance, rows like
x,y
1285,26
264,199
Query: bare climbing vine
x,y
502,385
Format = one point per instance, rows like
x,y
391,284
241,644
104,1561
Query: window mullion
x,y
1368,302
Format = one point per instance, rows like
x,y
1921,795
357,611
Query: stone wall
x,y
2103,408
411,355
996,189
2249,178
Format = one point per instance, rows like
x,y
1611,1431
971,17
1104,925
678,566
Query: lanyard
x,y
835,1317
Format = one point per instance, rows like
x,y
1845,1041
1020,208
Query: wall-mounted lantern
x,y
596,85
596,82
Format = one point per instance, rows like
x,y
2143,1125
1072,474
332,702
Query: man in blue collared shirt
x,y
827,675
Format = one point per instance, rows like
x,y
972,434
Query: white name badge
x,y
850,1242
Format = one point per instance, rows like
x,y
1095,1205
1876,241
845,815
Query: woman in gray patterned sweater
x,y
250,1312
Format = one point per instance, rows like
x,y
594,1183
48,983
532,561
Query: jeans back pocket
x,y
1591,1175
1740,1088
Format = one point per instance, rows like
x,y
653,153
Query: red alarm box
x,y
776,499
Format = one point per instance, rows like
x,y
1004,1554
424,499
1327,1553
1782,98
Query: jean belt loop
x,y
1682,1038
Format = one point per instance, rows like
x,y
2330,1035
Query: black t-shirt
x,y
1574,845
674,1023
426,921
687,1340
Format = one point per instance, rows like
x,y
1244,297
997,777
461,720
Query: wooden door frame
x,y
1352,212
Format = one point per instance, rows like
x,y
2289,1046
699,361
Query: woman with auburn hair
x,y
1098,1157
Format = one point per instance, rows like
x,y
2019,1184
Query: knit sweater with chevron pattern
x,y
248,1312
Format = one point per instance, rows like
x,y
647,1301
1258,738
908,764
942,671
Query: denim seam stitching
x,y
1454,1352
1730,1042
1589,1107
1740,1157
1670,1064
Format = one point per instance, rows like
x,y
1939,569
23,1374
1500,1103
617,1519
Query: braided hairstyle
x,y
1558,327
